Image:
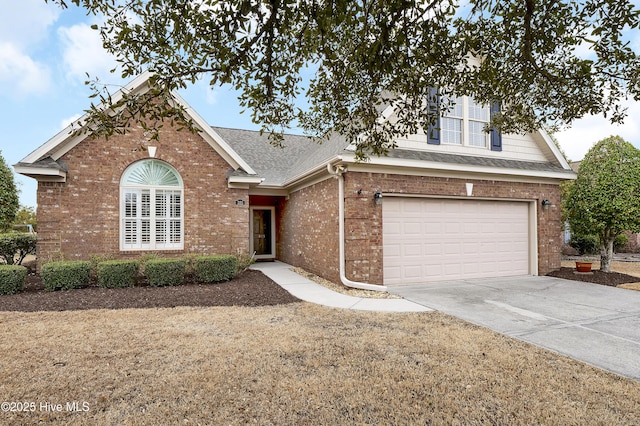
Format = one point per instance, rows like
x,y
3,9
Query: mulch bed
x,y
611,279
250,288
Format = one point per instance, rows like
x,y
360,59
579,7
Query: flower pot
x,y
583,266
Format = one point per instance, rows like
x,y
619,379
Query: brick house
x,y
458,205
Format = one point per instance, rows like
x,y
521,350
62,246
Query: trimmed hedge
x,y
65,275
12,278
165,272
117,273
211,269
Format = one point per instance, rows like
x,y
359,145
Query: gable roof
x,y
255,161
302,156
44,162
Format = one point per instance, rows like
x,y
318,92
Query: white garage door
x,y
443,239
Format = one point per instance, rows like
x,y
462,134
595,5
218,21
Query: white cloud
x,y
26,22
204,91
19,74
211,95
67,121
83,52
585,132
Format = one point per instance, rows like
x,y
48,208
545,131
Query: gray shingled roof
x,y
275,164
475,161
300,154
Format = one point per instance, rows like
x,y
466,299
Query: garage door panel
x,y
444,239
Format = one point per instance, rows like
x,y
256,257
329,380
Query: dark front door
x,y
262,232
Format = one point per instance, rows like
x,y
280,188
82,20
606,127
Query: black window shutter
x,y
496,136
433,132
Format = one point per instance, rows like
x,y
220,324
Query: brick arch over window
x,y
151,207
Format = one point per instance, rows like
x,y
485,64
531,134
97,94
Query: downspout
x,y
337,173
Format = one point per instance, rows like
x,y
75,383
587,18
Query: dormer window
x,y
465,124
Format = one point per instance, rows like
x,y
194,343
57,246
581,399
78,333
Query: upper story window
x,y
151,207
465,124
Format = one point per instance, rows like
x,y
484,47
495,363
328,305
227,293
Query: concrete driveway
x,y
592,323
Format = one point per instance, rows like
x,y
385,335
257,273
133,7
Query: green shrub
x,y
117,273
211,269
164,272
14,244
585,244
12,278
65,275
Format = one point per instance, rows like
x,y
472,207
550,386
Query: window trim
x,y
153,190
466,120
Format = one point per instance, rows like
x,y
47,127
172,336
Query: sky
x,y
45,53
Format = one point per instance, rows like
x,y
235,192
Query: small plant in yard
x,y
95,260
65,275
142,262
12,278
244,261
117,273
210,269
165,272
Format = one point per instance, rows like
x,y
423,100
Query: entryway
x,y
263,232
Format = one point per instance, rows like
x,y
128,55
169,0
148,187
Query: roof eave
x,y
41,174
554,149
214,139
398,163
243,182
66,137
311,172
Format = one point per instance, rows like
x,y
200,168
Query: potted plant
x,y
582,266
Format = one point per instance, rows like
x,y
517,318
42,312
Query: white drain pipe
x,y
337,173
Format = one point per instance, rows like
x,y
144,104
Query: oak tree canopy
x,y
547,62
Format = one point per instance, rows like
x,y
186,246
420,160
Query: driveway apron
x,y
592,323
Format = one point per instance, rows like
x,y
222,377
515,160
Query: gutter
x,y
337,173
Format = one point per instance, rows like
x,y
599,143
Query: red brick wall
x,y
310,237
364,218
80,217
308,233
632,245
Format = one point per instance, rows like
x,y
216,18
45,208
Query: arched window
x,y
151,207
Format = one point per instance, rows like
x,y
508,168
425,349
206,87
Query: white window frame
x,y
171,241
465,121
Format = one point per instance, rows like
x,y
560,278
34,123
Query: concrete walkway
x,y
307,290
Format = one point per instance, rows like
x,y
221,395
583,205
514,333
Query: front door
x,y
263,241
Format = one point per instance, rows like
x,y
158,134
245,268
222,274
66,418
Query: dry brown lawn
x,y
292,364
